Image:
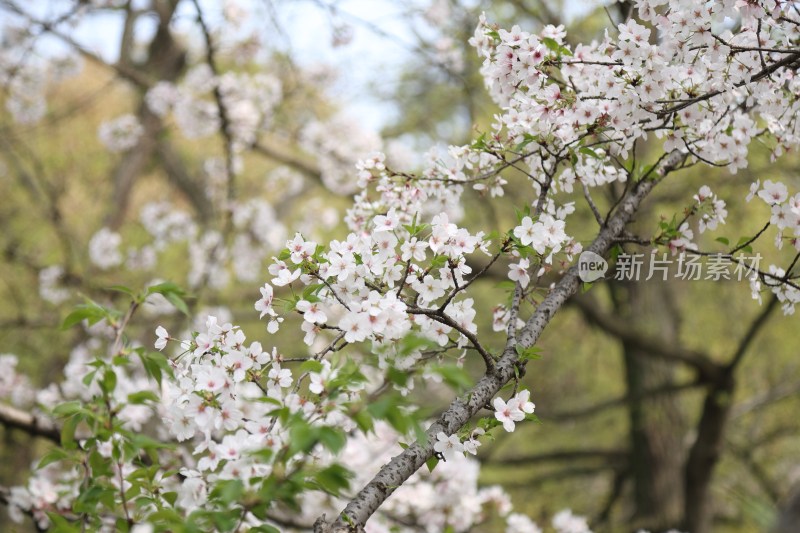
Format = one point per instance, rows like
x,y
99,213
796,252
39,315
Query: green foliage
x,y
553,45
454,376
172,292
90,311
531,353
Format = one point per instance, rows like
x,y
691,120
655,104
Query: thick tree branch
x,y
222,108
707,370
12,417
297,163
705,451
402,466
752,331
564,455
175,168
597,408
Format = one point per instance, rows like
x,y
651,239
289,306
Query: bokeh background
x,y
618,388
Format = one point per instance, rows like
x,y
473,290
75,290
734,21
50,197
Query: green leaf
x,y
284,255
648,171
723,240
88,378
364,421
532,418
431,463
591,153
101,466
312,365
89,499
264,528
141,397
438,261
109,381
164,288
526,140
178,302
334,479
397,376
53,456
173,293
412,343
747,249
332,439
155,364
614,253
171,497
553,45
477,144
59,524
419,431
528,354
228,491
454,376
121,288
310,292
90,311
68,408
388,408
302,438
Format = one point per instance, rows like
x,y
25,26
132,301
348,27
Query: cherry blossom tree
x,y
198,428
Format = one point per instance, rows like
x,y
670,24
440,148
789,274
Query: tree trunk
x,y
656,424
704,456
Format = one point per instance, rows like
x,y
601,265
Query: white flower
x,y
519,272
471,444
265,303
450,447
281,377
523,401
753,190
526,232
50,288
387,222
519,523
773,193
508,413
566,522
285,277
120,134
413,248
356,326
312,312
429,288
300,249
319,380
104,249
703,194
163,337
274,324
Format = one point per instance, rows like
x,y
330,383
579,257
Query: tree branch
x,y
564,455
707,369
401,467
12,417
591,410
